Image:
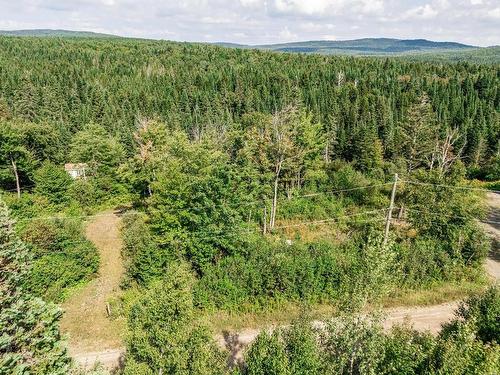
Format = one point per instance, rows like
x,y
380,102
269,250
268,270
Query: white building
x,y
76,170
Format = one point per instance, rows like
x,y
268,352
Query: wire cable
x,y
450,186
344,190
328,220
450,216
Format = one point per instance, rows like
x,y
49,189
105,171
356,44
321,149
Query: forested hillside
x,y
366,46
55,33
73,82
253,181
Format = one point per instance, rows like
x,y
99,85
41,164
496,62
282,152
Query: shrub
x,y
267,355
63,258
52,182
482,312
144,260
164,337
313,272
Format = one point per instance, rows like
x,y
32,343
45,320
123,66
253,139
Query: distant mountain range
x,y
418,49
56,33
367,46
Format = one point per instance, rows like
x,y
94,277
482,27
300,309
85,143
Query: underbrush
x,y
353,344
63,258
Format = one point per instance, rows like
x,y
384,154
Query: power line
x,y
343,190
206,233
451,186
180,209
451,216
328,220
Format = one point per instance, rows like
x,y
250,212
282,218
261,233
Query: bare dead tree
x,y
445,152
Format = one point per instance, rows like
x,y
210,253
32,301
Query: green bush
x,y
482,312
52,182
354,344
63,258
279,272
267,355
422,261
343,176
164,336
144,260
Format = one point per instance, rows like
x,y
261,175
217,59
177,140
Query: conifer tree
x,y
164,337
30,341
418,134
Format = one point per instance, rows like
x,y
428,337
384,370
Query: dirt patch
x,y
85,319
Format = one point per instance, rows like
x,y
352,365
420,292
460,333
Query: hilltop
x,y
366,46
56,33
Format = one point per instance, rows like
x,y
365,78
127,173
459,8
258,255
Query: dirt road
x,y
493,229
85,319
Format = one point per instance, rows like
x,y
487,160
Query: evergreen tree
x,y
164,336
30,341
52,182
418,134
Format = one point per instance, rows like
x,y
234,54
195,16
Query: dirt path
x,y
92,335
493,229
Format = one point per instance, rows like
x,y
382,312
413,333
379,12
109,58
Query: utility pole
x,y
391,207
265,220
16,173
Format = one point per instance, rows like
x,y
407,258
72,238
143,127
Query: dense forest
x,y
250,181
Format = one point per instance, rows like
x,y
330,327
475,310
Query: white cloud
x,y
493,14
286,35
423,12
264,21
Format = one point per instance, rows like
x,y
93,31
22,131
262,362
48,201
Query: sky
x,y
474,22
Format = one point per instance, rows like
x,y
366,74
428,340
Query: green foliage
x,y
343,176
313,272
406,351
458,351
447,214
16,158
302,349
469,343
214,87
196,200
94,146
417,134
267,355
482,313
30,341
63,258
86,193
164,336
353,344
52,182
144,261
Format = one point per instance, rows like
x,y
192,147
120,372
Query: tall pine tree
x,y
30,341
